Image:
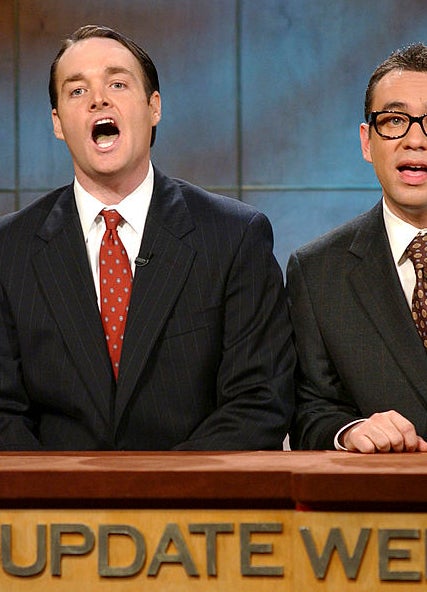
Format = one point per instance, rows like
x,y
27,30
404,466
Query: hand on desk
x,y
383,432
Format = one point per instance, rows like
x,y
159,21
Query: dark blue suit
x,y
207,358
358,348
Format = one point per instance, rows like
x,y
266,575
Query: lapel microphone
x,y
143,261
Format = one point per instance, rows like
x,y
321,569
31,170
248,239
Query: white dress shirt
x,y
399,234
133,209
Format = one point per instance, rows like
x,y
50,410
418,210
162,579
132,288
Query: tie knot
x,y
417,250
112,218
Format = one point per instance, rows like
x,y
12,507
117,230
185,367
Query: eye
x,y
77,92
393,120
118,85
397,120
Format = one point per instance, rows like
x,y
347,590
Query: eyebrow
x,y
397,106
110,71
394,105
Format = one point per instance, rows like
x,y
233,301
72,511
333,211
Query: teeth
x,y
103,121
413,167
103,142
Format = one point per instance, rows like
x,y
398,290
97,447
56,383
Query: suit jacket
x,y
207,358
357,345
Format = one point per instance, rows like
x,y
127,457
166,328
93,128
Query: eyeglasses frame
x,y
372,120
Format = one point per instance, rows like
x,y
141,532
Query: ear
x,y
57,127
365,141
155,105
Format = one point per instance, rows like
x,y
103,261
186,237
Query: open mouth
x,y
105,132
412,168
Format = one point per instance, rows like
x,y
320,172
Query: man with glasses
x,y
359,295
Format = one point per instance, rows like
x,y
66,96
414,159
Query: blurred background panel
x,y
8,146
305,68
261,100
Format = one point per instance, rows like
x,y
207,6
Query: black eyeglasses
x,y
395,124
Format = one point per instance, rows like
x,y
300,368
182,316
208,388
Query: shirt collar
x,y
399,233
133,208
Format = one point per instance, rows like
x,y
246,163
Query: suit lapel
x,y
157,284
62,269
378,288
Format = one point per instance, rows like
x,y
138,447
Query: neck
x,y
111,190
416,215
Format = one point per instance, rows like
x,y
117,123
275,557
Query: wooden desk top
x,y
316,480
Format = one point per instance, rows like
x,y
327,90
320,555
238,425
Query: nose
x,y
99,100
416,138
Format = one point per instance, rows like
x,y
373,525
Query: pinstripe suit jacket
x,y
358,349
207,358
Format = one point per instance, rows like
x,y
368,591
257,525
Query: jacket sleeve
x,y
255,397
17,423
323,406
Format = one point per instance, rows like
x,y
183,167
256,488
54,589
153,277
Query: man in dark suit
x,y
362,370
206,356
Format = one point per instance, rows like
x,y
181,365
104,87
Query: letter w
x,y
320,563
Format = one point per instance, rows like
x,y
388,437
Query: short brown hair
x,y
411,58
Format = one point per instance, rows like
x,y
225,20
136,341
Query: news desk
x,y
224,522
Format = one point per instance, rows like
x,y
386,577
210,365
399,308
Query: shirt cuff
x,y
337,445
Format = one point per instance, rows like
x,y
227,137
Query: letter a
x,y
172,534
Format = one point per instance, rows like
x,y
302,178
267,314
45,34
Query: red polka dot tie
x,y
417,253
115,282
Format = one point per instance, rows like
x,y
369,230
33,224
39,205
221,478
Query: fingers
x,y
421,445
384,432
